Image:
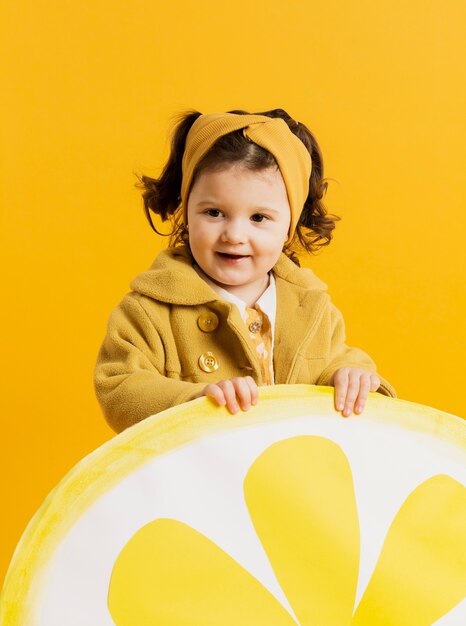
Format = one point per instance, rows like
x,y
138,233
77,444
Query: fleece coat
x,y
150,359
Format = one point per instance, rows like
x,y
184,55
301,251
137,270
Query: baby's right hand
x,y
240,391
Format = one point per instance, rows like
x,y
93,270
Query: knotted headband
x,y
272,134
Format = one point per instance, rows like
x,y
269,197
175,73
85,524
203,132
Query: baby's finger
x,y
253,389
341,386
375,382
243,393
214,392
351,394
229,392
364,387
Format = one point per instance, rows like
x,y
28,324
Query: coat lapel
x,y
292,327
300,295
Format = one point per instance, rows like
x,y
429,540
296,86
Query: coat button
x,y
207,322
208,362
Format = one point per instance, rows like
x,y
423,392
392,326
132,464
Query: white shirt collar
x,y
267,303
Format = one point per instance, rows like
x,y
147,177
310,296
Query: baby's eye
x,y
213,212
258,217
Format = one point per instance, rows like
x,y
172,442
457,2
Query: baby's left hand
x,y
352,386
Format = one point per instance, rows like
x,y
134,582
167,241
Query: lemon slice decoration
x,y
284,515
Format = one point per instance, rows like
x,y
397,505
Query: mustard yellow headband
x,y
272,134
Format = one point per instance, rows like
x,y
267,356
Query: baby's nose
x,y
234,232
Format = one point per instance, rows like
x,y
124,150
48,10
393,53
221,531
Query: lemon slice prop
x,y
287,514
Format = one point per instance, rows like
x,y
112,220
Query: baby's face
x,y
238,222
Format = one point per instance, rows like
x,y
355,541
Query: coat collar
x,y
174,266
172,279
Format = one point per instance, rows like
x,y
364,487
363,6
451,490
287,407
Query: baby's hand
x,y
352,386
242,391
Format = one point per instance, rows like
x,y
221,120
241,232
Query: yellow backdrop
x,y
89,90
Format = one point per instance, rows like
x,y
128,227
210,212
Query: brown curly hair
x,y
161,195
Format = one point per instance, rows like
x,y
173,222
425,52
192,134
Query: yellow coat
x,y
173,335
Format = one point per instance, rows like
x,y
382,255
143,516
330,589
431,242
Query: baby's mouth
x,y
232,257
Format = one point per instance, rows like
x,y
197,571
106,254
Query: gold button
x,y
207,322
208,362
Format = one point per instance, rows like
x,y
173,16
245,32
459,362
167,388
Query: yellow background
x,y
88,94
